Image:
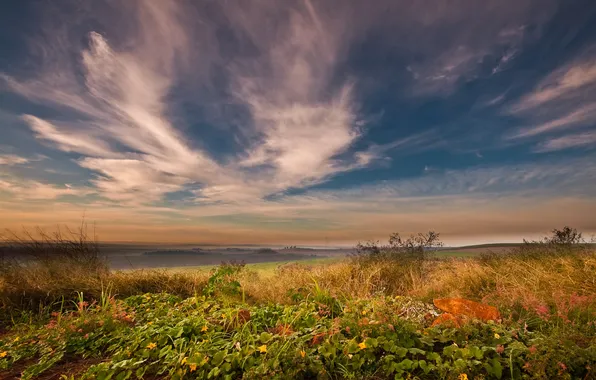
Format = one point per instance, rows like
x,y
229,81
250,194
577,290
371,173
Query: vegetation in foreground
x,y
368,317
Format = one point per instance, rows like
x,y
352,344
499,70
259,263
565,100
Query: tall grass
x,y
40,272
540,278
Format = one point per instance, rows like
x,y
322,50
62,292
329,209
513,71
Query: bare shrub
x,y
40,268
65,244
401,262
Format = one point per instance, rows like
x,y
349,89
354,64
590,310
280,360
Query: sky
x,y
298,122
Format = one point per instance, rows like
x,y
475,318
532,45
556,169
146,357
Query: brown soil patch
x,y
73,367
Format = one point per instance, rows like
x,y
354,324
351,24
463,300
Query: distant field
x,y
205,260
265,260
265,269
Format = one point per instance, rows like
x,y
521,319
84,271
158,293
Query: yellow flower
x,y
149,323
262,349
223,316
463,376
497,336
184,360
193,367
151,345
362,345
363,312
3,354
16,339
204,328
302,353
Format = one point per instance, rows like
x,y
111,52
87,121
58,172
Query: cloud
x,y
578,140
450,68
494,101
479,201
566,83
12,159
35,190
462,64
582,115
303,120
505,60
126,135
469,57
546,179
559,104
73,140
9,159
302,124
130,103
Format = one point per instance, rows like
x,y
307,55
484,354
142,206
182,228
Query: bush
x,y
402,262
417,247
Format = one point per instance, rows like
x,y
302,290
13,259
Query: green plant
x,y
161,335
224,279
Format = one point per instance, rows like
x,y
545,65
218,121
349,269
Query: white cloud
x,y
581,115
126,135
578,140
566,83
487,200
442,74
12,159
504,61
494,101
502,180
303,122
9,159
35,190
73,140
124,85
560,103
434,188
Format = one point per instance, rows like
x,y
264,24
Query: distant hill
x,y
491,245
267,251
190,252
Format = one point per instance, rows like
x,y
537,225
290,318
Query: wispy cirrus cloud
x,y
35,190
241,114
299,124
566,83
576,140
452,67
12,159
477,201
476,56
559,105
582,115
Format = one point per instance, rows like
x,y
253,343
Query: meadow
x,y
371,315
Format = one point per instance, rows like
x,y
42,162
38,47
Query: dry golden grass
x,y
534,277
515,279
504,280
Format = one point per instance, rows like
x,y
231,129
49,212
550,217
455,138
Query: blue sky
x,y
298,122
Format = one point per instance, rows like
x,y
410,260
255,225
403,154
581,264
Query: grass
x,y
271,267
263,269
364,317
